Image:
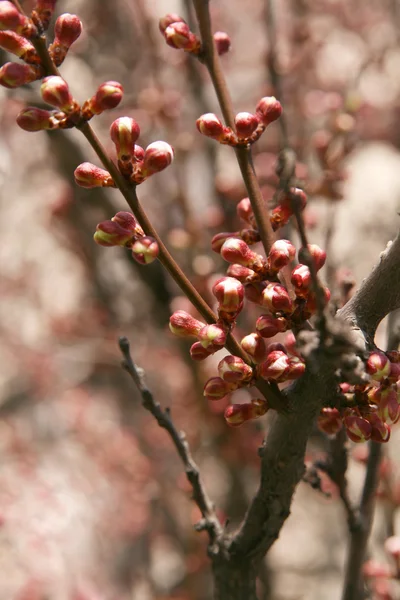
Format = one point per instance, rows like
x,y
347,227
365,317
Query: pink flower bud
x,y
67,30
268,109
222,42
387,402
107,96
311,305
210,126
394,374
357,428
168,20
275,297
254,291
237,251
245,211
317,255
233,369
178,35
378,365
138,154
296,368
245,124
184,325
13,75
55,91
36,119
250,236
275,366
296,198
242,274
273,346
301,279
230,293
216,389
89,176
198,352
44,10
110,233
11,19
18,45
145,250
236,414
212,337
280,254
157,157
380,431
329,421
280,216
220,238
124,132
269,326
255,347
128,221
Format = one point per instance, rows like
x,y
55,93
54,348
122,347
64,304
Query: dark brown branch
x,y
210,520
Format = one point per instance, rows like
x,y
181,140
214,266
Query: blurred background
x,y
94,504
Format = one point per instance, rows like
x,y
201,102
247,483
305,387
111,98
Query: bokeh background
x,y
94,504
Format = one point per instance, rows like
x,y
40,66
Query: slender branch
x,y
163,417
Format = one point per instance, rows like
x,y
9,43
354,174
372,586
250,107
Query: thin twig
x,y
210,521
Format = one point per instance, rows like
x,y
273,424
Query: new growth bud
x,y
216,389
13,75
124,132
233,369
89,176
269,326
255,347
37,119
268,109
378,366
236,414
230,293
107,96
55,91
280,254
157,157
11,19
145,250
212,337
184,325
276,298
210,126
19,46
318,256
237,251
222,42
245,124
67,30
178,35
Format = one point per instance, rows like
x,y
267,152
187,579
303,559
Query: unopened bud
x,y
311,304
36,119
357,428
212,337
210,126
11,19
276,298
107,96
255,347
245,124
318,256
89,176
18,45
230,293
275,366
55,91
245,211
380,431
145,250
216,389
110,233
329,421
168,20
280,254
198,352
128,221
301,279
220,238
236,414
233,369
67,30
124,132
280,215
13,75
387,402
157,157
269,326
242,274
222,42
268,109
44,10
250,236
178,35
184,325
378,365
237,251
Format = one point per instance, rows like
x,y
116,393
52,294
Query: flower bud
x,y
107,96
138,154
128,221
233,369
357,428
329,421
55,91
11,19
242,274
184,325
13,75
18,45
378,365
124,132
254,291
145,250
178,35
380,431
318,256
268,109
222,42
245,211
394,374
157,157
387,402
236,414
220,238
110,233
276,298
296,368
216,389
212,337
198,352
280,215
280,254
44,10
255,347
89,176
269,326
275,366
296,198
250,236
245,124
237,251
301,279
36,119
230,293
273,346
168,20
210,126
311,304
67,30
393,356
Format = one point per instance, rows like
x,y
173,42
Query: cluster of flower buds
x,y
248,127
177,34
124,230
368,409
